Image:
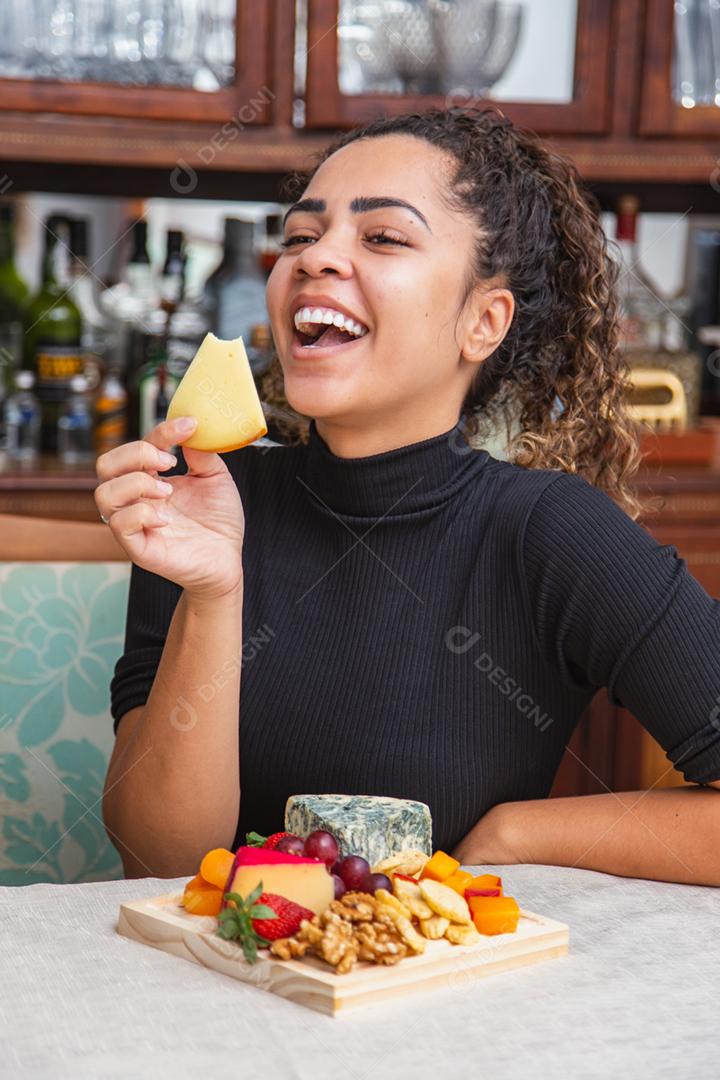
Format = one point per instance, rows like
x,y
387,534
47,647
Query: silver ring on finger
x,y
104,520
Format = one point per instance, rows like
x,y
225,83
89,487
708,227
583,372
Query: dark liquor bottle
x,y
234,293
97,337
172,280
53,330
642,313
13,295
271,249
138,273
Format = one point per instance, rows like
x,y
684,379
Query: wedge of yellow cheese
x,y
218,389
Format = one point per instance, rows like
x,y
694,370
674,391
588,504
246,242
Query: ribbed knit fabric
x,y
431,622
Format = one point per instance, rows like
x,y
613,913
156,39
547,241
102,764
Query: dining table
x,y
636,996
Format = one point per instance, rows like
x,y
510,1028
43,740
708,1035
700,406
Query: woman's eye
x,y
382,236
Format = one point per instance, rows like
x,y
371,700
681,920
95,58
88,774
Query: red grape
x,y
339,886
355,872
380,881
291,845
321,845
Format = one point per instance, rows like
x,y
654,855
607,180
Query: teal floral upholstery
x,y
61,631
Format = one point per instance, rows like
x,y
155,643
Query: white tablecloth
x,y
637,996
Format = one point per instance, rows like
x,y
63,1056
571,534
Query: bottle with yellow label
x,y
53,331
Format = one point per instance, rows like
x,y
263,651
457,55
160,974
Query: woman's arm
x,y
612,607
671,834
172,790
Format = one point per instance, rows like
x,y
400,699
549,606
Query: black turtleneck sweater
x,y
430,623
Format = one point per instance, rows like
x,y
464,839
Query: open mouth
x,y
326,335
325,328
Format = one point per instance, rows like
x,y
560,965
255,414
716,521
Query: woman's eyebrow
x,y
361,205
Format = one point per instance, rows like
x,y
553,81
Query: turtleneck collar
x,y
392,484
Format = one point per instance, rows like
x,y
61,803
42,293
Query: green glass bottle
x,y
53,330
13,294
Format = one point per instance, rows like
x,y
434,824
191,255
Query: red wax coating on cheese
x,y
253,856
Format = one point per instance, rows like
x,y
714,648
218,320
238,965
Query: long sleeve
x,y
612,607
151,603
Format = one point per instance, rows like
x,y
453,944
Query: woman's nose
x,y
323,256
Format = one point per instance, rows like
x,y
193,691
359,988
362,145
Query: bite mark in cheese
x,y
219,390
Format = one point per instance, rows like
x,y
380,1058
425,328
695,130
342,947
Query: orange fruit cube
x,y
459,881
439,867
494,914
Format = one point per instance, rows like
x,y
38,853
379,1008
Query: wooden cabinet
x,y
680,93
241,95
616,117
396,36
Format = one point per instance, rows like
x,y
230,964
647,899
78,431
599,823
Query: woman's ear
x,y
490,314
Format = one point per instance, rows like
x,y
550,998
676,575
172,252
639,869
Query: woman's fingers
x,y
145,455
133,519
124,490
170,432
133,457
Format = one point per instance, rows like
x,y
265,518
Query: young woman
x,y
412,616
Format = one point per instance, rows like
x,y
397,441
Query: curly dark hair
x,y
558,375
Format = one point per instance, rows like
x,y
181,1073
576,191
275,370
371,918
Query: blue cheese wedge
x,y
373,826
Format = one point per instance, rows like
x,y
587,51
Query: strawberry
x,y
254,839
288,916
258,919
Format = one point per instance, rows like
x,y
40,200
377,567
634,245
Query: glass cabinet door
x,y
545,61
681,75
176,59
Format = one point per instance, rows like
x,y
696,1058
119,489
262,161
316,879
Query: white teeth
x,y
306,319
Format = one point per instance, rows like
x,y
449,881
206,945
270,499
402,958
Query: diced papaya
x,y
439,867
459,881
482,892
485,881
494,914
216,866
201,898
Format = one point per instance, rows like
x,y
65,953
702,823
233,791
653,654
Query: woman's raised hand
x,y
188,529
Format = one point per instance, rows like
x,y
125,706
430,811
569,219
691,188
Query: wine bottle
x,y
234,293
13,296
53,330
642,314
172,280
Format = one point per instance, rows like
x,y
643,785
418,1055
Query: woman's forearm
x,y
671,834
175,790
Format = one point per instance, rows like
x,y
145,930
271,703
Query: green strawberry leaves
x,y
253,839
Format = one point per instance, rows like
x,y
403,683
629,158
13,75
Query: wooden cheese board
x,y
163,923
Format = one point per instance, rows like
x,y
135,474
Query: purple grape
x,y
322,845
335,868
339,886
380,881
355,872
291,845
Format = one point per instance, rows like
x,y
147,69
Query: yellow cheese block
x,y
306,884
218,389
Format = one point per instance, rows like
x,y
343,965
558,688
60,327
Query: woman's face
x,y
399,271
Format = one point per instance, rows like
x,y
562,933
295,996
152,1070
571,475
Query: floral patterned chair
x,y
61,631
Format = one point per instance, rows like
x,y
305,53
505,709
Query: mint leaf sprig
x,y
235,923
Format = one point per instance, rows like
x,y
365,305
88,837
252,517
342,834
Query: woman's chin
x,y
318,401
